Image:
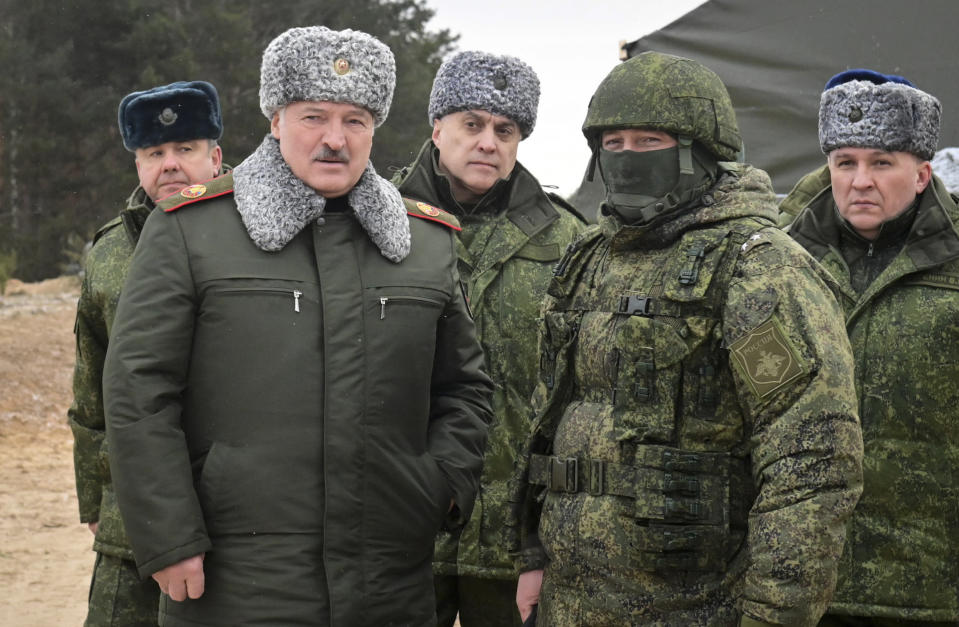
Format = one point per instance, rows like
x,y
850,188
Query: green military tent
x,y
776,55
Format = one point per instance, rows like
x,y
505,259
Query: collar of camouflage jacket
x,y
275,205
932,238
521,196
741,191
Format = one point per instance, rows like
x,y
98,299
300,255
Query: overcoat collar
x,y
275,205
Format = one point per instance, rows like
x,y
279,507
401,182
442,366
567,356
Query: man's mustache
x,y
328,154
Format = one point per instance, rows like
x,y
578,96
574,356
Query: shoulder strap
x,y
426,211
106,228
219,186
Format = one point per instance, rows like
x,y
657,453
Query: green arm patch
x,y
539,252
766,358
426,211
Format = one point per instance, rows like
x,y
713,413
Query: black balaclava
x,y
644,186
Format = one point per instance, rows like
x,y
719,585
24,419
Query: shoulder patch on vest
x,y
220,186
766,358
426,211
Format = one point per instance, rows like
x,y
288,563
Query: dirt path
x,y
45,560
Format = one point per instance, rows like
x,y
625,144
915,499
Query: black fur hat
x,y
179,111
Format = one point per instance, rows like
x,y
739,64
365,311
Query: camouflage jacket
x,y
807,188
696,450
105,269
507,250
902,553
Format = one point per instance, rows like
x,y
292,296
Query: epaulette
x,y
419,209
220,186
756,239
106,227
556,199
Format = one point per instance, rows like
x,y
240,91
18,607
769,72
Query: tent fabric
x,y
775,57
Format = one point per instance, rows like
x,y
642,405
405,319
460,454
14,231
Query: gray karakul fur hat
x,y
866,109
177,112
500,84
316,63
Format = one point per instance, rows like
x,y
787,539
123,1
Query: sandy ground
x,y
46,556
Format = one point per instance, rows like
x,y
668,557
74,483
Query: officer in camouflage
x,y
885,227
481,106
173,131
696,449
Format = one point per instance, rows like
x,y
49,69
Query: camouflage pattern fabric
x,y
105,270
118,597
507,249
802,193
696,450
902,557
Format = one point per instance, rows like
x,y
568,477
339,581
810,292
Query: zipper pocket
x,y
296,295
384,300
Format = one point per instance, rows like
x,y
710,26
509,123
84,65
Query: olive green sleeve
x,y
85,415
793,368
144,380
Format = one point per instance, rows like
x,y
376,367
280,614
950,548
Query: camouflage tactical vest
x,y
633,338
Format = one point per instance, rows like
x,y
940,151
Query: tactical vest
x,y
683,466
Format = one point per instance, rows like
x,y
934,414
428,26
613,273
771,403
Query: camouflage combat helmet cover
x,y
667,93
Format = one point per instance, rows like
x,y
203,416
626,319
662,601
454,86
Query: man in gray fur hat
x,y
173,131
885,227
294,378
481,106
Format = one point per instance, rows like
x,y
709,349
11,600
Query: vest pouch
x,y
558,335
680,514
690,270
711,419
647,376
695,281
557,332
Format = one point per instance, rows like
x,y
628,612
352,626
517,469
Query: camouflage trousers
x,y
118,597
613,596
837,620
479,602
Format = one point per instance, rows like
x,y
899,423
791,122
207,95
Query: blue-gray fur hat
x,y
180,111
866,109
500,84
316,63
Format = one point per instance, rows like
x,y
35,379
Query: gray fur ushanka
x,y
891,116
316,63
